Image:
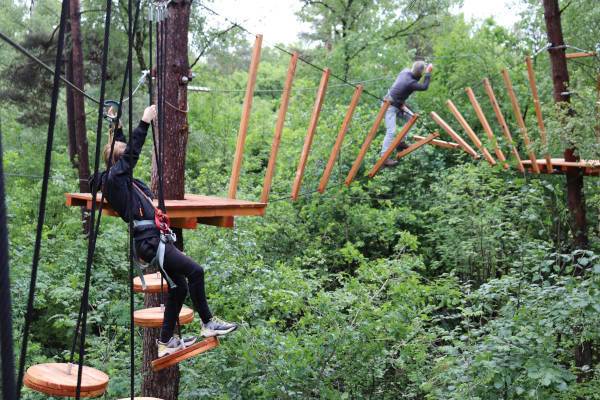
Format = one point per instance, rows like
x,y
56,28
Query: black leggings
x,y
183,271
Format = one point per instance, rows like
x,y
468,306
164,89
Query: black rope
x,y
42,209
9,390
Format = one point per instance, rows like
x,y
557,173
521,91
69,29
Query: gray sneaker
x,y
217,327
173,345
187,340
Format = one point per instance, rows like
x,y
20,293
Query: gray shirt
x,y
404,85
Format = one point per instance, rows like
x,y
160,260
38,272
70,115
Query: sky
x,y
275,19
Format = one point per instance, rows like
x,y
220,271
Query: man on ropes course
x,y
181,271
406,83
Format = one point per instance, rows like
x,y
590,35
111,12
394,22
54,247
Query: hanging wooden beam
x,y
418,144
241,141
513,100
367,142
285,100
394,144
461,120
340,138
312,127
454,135
581,54
439,143
486,127
538,113
502,122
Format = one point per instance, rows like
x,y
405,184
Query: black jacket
x,y
404,85
115,184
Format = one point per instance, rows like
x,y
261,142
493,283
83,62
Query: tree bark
x,y
576,200
165,384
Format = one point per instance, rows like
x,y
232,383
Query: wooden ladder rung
x,y
184,354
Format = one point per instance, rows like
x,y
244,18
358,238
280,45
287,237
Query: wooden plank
x,y
515,105
223,222
538,113
184,223
181,355
367,142
461,120
153,317
60,379
562,163
153,283
394,144
241,141
453,134
285,100
415,146
486,126
312,127
340,138
439,143
580,54
502,122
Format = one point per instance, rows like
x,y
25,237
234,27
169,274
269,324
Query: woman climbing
x,y
182,270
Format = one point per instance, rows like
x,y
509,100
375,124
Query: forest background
x,y
442,277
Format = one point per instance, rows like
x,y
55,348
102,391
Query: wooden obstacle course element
x,y
538,113
418,144
152,283
367,142
394,144
461,120
312,127
439,143
153,317
184,354
141,398
453,134
502,122
486,126
241,141
588,167
195,208
580,54
285,100
340,138
515,105
60,379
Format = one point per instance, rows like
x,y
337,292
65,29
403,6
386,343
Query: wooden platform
x,y
181,355
53,379
194,209
588,167
152,283
153,317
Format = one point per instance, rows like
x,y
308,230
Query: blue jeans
x,y
390,125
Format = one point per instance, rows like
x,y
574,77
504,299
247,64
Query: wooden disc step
x,y
153,317
54,379
152,284
141,398
188,352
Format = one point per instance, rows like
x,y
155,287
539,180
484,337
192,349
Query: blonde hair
x,y
117,151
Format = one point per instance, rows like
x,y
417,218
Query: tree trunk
x,y
165,384
576,199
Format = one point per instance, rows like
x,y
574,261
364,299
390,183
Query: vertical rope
x,y
42,209
131,244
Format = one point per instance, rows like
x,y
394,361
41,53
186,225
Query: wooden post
x,y
312,127
285,100
439,143
239,149
470,132
418,144
513,100
486,126
538,113
581,54
453,134
340,139
394,144
502,122
367,142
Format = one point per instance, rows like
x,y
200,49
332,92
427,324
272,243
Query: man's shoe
x,y
187,340
402,146
390,163
217,327
170,347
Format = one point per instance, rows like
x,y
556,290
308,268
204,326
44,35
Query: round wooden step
x,y
141,398
153,317
152,284
53,379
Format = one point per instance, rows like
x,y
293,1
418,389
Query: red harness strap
x,y
160,219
